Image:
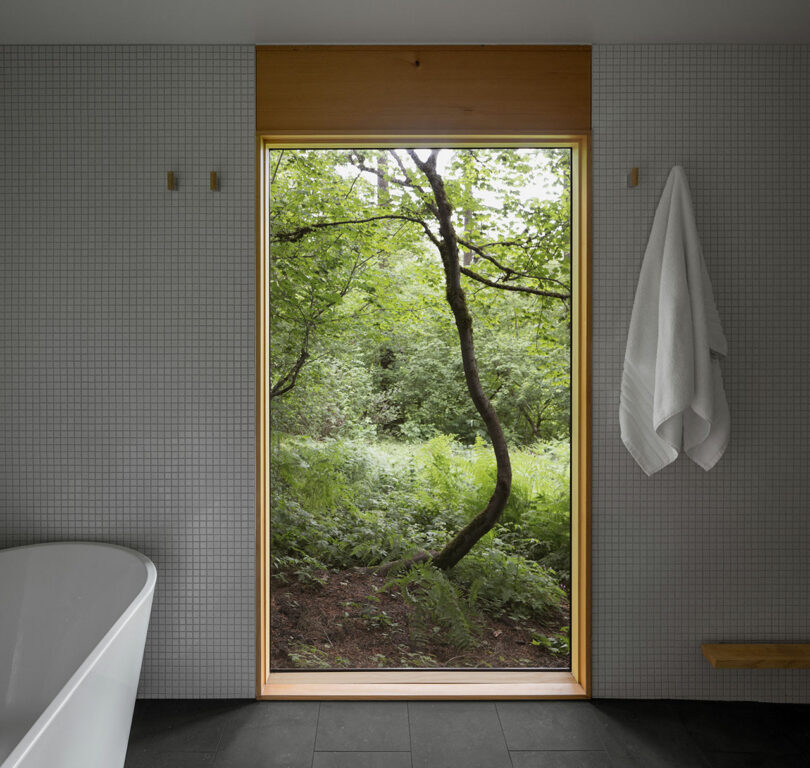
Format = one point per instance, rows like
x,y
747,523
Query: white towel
x,y
672,391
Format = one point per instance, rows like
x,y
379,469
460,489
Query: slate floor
x,y
451,734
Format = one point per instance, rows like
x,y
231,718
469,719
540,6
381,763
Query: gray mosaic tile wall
x,y
127,332
126,348
687,557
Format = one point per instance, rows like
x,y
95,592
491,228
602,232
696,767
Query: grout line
x,y
597,751
503,734
219,740
675,714
315,737
410,740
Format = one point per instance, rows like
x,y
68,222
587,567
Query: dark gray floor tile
x,y
362,760
269,734
180,725
719,726
567,759
141,758
456,734
539,725
756,760
646,734
363,726
797,719
261,714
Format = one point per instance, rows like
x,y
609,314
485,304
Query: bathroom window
x,y
393,550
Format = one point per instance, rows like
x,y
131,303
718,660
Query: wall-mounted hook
x,y
632,178
170,181
213,183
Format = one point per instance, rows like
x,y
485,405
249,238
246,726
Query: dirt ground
x,y
337,626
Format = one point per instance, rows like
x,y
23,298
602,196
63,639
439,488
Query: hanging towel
x,y
672,392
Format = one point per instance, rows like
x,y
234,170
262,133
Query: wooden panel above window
x,y
383,90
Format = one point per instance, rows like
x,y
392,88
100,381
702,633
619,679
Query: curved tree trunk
x,y
466,538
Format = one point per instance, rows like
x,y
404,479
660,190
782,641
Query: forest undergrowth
x,y
341,507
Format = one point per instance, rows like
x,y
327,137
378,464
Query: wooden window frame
x,y
433,684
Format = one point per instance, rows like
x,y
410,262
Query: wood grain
x,y
423,89
422,685
757,655
461,684
262,423
581,419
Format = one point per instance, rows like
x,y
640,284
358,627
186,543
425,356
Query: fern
x,y
439,610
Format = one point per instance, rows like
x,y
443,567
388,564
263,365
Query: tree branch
x,y
405,173
535,428
287,381
293,236
517,288
360,165
275,170
508,271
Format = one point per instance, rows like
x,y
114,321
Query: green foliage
x,y
377,451
508,584
338,504
370,613
440,610
559,645
364,303
536,522
312,657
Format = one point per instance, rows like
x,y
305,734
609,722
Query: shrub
x,y
337,504
508,584
439,609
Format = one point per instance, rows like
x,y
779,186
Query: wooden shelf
x,y
757,655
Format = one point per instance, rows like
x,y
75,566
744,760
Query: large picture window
x,y
423,415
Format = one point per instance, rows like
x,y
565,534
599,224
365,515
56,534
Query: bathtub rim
x,y
63,695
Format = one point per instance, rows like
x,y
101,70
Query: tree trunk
x,y
467,537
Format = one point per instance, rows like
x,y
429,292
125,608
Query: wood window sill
x,y
422,684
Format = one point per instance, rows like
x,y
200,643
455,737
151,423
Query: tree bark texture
x,y
467,537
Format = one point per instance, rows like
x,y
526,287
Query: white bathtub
x,y
73,620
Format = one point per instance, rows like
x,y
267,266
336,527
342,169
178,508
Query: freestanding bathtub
x,y
73,620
